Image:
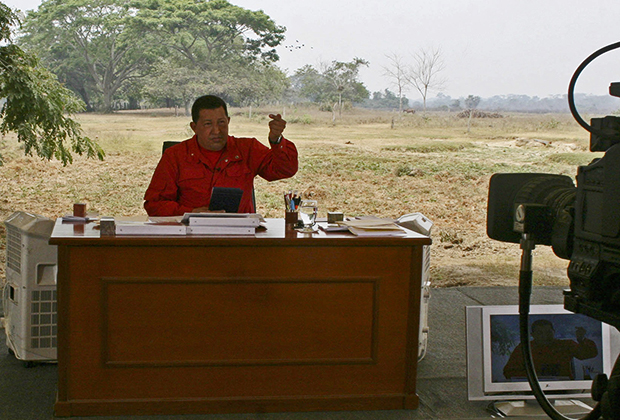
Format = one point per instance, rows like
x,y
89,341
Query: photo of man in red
x,y
553,358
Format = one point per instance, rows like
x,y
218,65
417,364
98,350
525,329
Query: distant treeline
x,y
591,104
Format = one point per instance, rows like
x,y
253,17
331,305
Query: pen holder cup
x,y
290,220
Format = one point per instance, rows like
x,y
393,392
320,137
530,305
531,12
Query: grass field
x,y
367,163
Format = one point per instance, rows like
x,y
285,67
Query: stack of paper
x,y
146,228
373,226
223,224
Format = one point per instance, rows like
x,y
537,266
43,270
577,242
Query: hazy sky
x,y
490,47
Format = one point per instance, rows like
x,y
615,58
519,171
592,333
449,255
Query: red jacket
x,y
554,360
183,179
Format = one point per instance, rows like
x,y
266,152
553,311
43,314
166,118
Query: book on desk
x,y
194,224
150,229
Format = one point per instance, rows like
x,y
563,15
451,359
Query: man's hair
x,y
207,102
540,323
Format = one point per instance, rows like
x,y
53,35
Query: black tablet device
x,y
226,199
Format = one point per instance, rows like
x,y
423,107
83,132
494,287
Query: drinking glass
x,y
308,210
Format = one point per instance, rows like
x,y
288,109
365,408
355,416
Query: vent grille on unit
x,y
426,263
43,319
13,249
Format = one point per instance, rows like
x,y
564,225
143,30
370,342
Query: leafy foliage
x,y
472,102
93,41
208,33
214,46
36,103
385,100
334,83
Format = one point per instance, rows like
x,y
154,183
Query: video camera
x,y
581,224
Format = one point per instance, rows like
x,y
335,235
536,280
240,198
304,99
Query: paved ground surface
x,y
29,393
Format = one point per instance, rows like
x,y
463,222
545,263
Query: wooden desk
x,y
181,325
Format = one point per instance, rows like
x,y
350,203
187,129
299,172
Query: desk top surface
x,y
275,233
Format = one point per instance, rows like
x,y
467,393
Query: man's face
x,y
211,128
543,334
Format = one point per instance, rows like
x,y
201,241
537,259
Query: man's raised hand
x,y
276,127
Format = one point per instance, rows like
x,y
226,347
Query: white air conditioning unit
x,y
421,224
424,301
29,297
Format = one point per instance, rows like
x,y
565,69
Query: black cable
x,y
525,291
573,82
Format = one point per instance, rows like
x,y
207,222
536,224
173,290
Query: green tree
x,y
342,78
209,33
228,49
334,83
36,104
471,103
385,100
309,84
93,40
262,82
175,84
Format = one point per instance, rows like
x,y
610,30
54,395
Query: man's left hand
x,y
276,127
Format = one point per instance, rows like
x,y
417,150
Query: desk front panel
x,y
231,324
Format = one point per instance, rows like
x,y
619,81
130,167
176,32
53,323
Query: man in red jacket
x,y
552,357
188,171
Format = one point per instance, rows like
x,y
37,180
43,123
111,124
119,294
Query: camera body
x,y
594,269
581,224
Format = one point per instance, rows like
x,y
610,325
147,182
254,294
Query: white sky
x,y
490,47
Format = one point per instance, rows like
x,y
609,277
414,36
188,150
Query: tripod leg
x,y
610,403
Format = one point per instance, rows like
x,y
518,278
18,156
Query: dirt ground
x,y
358,171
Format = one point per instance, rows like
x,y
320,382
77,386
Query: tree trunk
x,y
133,103
107,102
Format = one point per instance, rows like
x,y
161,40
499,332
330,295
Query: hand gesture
x,y
276,127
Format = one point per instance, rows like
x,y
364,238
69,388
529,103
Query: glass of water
x,y
308,210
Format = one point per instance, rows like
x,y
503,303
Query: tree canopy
x,y
209,33
171,51
36,104
334,83
225,49
92,44
161,49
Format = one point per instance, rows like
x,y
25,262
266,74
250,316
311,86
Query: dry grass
x,y
368,162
